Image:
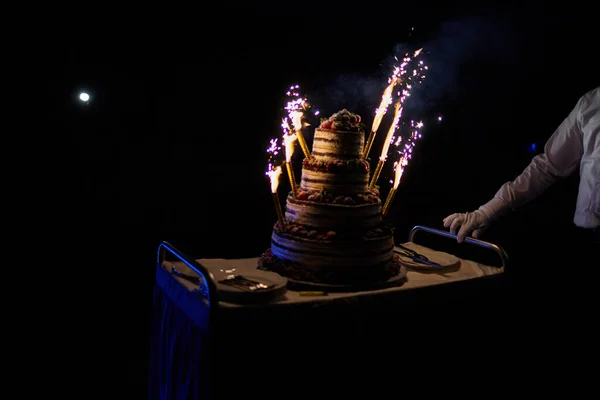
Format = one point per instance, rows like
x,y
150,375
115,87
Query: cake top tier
x,y
339,137
342,120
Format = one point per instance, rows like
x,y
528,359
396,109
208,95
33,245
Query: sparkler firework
x,y
386,100
405,153
406,81
408,72
292,123
273,172
289,151
397,175
386,144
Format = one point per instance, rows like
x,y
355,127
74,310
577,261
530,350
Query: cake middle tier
x,y
337,145
346,183
338,217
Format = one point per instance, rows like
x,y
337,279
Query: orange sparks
x,y
293,121
393,127
386,100
386,145
399,171
273,173
289,151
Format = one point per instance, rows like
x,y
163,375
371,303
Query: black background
x,y
172,144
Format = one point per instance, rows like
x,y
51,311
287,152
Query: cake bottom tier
x,y
353,277
330,262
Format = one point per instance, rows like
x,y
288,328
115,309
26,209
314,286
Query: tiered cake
x,y
333,232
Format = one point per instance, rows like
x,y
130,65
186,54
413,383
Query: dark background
x,y
172,144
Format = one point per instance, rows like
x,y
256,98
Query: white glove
x,y
477,221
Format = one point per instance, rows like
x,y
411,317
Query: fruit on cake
x,y
333,232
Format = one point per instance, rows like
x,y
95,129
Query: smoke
x,y
457,56
454,54
360,94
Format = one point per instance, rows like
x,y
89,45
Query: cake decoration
x,y
342,120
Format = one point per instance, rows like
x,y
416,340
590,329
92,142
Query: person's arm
x,y
561,156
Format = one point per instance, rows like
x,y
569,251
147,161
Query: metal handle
x,y
499,250
207,276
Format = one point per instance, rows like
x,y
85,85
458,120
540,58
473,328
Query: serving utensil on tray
x,y
237,281
413,255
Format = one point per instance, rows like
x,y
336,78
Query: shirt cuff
x,y
495,208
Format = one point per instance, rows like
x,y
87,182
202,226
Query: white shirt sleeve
x,y
561,156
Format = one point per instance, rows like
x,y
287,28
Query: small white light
x,y
84,97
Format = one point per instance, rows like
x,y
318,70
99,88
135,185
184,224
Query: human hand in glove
x,y
475,222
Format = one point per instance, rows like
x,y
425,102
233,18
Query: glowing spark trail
x,y
386,100
386,144
273,174
289,151
406,83
293,121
